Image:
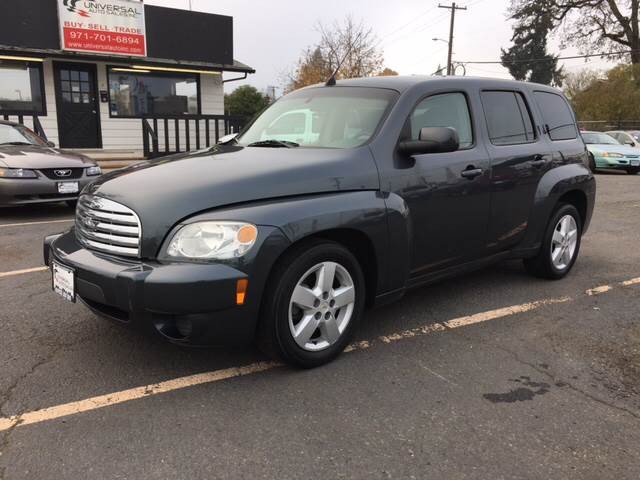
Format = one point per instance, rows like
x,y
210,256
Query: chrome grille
x,y
107,226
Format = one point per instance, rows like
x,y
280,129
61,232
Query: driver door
x,y
448,194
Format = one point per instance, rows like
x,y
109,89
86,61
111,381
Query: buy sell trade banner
x,y
109,26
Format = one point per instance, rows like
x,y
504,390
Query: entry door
x,y
77,102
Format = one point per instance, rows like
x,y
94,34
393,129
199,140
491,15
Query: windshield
x,y
18,134
635,134
599,139
331,117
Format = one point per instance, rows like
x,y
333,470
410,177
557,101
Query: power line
x,y
572,57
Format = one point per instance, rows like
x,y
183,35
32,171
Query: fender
x,y
300,217
553,184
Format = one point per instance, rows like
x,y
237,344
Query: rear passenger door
x,y
519,158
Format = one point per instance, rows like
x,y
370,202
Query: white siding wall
x,y
125,133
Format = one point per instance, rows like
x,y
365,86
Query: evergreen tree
x,y
528,59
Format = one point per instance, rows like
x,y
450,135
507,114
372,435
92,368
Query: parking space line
x,y
599,290
26,224
110,399
136,393
633,281
23,271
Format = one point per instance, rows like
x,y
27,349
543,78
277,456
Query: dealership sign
x,y
114,27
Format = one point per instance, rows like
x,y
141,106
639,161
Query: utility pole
x,y
453,7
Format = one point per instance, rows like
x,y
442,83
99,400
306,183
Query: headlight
x,y
612,155
17,173
93,171
213,240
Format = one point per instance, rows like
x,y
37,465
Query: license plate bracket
x,y
66,188
63,281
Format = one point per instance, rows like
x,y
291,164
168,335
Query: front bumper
x,y
186,303
25,191
612,162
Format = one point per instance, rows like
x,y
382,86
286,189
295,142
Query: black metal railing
x,y
19,118
165,134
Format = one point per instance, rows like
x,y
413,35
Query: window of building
x,y
445,110
21,89
508,118
137,94
559,120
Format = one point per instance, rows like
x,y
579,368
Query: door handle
x,y
538,161
471,172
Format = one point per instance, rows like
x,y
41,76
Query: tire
x,y
633,170
330,326
71,203
592,163
549,262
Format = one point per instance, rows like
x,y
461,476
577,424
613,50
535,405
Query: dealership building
x,y
117,76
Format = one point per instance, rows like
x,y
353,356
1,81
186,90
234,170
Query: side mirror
x,y
432,140
50,144
227,138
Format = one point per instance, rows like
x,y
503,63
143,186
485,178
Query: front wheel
x,y
633,170
560,245
313,305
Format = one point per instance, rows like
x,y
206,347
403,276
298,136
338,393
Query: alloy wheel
x,y
564,242
321,306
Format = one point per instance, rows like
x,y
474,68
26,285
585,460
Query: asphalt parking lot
x,y
493,375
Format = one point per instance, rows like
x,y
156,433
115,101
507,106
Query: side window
x,y
444,110
557,116
508,118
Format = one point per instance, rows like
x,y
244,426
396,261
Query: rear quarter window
x,y
557,116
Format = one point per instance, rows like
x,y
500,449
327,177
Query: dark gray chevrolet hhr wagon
x,y
336,198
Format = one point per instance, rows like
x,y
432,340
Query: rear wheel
x,y
560,245
313,305
592,162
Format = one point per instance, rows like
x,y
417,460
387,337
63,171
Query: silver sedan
x,y
32,171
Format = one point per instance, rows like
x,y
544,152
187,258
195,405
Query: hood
x,y
35,157
621,149
165,191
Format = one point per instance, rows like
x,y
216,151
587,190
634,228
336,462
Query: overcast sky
x,y
270,35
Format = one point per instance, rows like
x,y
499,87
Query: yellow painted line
x,y
599,290
26,224
23,271
633,281
110,399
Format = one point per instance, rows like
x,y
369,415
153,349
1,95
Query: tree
x,y
528,59
349,42
312,68
387,72
245,101
591,25
612,98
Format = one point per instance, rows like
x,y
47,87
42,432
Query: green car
x,y
607,152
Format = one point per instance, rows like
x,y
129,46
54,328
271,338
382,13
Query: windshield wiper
x,y
274,144
16,143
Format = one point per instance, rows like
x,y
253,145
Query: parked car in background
x,y
408,180
609,153
33,171
630,138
